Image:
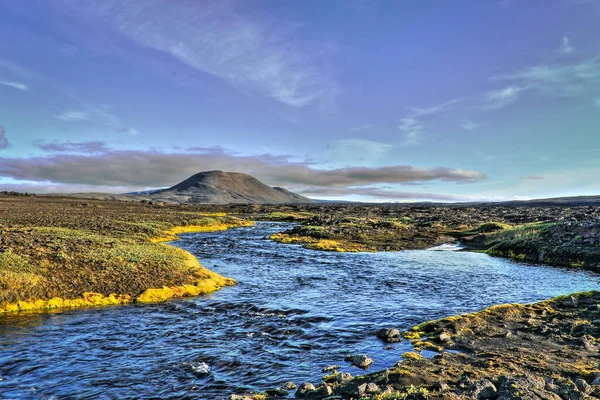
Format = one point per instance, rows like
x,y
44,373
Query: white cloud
x,y
262,56
15,85
411,125
74,116
565,46
501,98
469,125
361,128
411,129
563,80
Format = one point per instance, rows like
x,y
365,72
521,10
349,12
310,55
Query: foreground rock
x,y
547,350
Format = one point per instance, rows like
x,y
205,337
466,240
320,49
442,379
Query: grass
x,y
67,253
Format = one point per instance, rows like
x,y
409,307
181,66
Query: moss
x,y
95,256
409,355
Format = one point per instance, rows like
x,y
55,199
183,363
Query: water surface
x,y
293,312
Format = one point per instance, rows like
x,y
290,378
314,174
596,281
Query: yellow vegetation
x,y
171,234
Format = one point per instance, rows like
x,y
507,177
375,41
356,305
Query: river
x,y
293,312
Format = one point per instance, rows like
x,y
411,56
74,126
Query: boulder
x,y
305,390
359,360
389,335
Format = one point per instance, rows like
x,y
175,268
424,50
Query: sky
x,y
428,100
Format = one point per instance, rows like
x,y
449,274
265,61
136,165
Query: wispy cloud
x,y
532,178
259,55
565,46
74,147
74,116
563,80
498,99
15,85
411,130
361,128
469,125
417,112
3,140
411,125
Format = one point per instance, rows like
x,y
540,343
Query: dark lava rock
x,y
306,389
277,392
289,386
389,335
359,360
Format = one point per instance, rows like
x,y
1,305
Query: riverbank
x,y
559,236
546,350
61,252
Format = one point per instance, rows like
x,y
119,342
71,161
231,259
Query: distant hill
x,y
219,187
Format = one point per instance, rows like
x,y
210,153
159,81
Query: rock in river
x,y
359,360
389,335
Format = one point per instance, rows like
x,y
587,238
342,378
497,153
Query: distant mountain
x,y
219,187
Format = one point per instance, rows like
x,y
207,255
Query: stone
x,y
594,307
289,386
582,386
389,335
484,390
324,390
305,389
359,360
277,392
440,386
331,368
444,337
344,377
367,389
570,302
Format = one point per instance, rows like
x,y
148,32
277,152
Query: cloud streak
x,y
141,169
15,85
214,38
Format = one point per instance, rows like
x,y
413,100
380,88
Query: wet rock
x,y
440,386
359,360
570,302
344,377
289,386
323,390
582,386
389,335
331,368
594,307
525,387
367,389
484,390
305,389
444,338
277,392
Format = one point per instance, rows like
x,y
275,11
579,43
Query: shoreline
x,y
210,283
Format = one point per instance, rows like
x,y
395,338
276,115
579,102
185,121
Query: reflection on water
x,y
293,312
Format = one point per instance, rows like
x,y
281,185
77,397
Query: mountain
x,y
218,187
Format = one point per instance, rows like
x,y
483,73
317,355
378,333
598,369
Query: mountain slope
x,y
218,187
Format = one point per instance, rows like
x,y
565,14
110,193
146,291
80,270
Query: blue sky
x,y
360,100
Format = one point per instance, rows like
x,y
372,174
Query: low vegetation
x,y
57,252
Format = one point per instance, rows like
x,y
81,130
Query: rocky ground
x,y
548,350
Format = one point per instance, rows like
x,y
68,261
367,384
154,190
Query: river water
x,y
293,312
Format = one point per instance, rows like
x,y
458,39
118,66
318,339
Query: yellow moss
x,y
171,234
88,300
412,335
409,355
318,244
